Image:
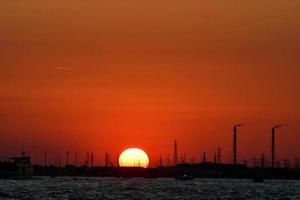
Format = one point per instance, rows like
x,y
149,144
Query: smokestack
x,y
235,143
273,144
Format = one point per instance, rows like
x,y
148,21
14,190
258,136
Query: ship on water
x,y
16,167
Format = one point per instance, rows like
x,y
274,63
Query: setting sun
x,y
133,157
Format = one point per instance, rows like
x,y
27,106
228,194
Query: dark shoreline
x,y
201,170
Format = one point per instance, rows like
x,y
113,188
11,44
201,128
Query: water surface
x,y
139,188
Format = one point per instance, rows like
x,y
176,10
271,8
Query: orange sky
x,y
105,75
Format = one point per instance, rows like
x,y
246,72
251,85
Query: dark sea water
x,y
139,188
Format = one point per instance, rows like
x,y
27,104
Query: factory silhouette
x,y
21,167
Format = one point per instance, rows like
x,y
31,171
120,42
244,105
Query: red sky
x,y
106,75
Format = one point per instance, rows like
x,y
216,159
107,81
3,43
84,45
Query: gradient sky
x,y
106,75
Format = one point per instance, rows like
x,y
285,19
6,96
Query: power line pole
x,y
75,161
235,143
175,159
219,155
67,160
59,160
160,161
92,159
45,159
273,144
203,157
106,159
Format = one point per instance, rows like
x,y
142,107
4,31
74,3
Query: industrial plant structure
x,y
16,167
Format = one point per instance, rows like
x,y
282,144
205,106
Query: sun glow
x,y
134,157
